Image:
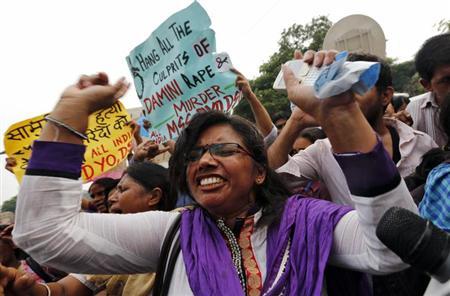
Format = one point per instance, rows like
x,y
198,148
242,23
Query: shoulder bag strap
x,y
161,276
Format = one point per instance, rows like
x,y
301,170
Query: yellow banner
x,y
108,143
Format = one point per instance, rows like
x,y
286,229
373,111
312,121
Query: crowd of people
x,y
288,205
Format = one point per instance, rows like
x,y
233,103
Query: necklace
x,y
235,252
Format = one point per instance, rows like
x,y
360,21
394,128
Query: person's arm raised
x,y
277,153
50,226
77,102
337,115
371,175
262,117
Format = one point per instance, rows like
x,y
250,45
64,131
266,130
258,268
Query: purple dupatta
x,y
307,222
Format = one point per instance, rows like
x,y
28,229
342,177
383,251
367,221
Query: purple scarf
x,y
308,222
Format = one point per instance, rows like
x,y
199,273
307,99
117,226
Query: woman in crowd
x,y
99,191
144,187
246,237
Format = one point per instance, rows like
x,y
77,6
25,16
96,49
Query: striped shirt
x,y
425,113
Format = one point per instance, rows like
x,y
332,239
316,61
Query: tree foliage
x,y
443,26
302,37
9,205
406,79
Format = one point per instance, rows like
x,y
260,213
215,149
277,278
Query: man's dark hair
x,y
398,101
312,134
434,52
280,115
270,195
149,176
385,78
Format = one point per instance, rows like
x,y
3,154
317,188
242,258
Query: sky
x,y
46,45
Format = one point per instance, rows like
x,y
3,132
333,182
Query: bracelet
x,y
49,292
68,127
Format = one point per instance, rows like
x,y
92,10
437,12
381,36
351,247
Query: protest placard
x,y
108,143
177,74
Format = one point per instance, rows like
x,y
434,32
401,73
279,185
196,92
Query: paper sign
x,y
108,144
223,62
176,75
301,71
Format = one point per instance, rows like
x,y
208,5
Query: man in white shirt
x,y
433,65
405,145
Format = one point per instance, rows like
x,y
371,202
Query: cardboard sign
x,y
176,73
108,144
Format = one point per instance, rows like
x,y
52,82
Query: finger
x,y
163,150
84,81
239,82
318,58
11,161
309,56
298,55
240,78
330,56
149,143
289,79
153,146
102,78
22,284
131,123
120,87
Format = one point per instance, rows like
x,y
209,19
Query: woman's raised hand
x,y
303,95
92,93
337,115
78,101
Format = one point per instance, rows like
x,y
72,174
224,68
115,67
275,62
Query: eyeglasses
x,y
218,150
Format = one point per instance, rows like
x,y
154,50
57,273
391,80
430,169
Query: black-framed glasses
x,y
216,150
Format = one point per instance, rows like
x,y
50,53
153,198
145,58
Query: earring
x,y
259,180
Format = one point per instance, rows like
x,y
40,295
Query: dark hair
x,y
270,195
430,159
385,78
149,176
398,101
107,183
312,134
444,119
280,115
434,52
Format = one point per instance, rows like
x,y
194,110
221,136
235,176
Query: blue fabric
x,y
435,205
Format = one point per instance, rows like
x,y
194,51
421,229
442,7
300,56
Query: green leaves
x,y
297,36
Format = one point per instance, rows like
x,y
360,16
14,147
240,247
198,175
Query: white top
x,y
318,163
425,112
51,228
